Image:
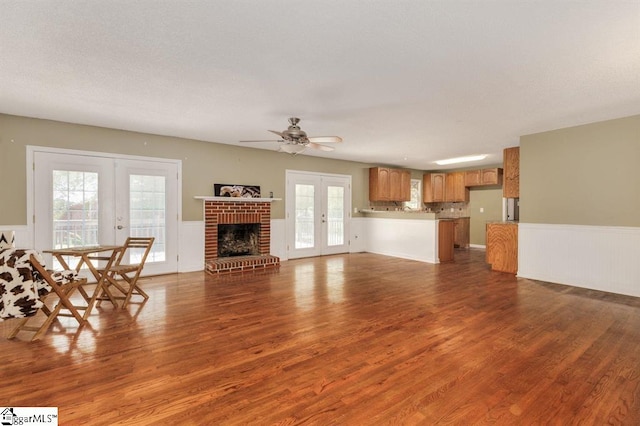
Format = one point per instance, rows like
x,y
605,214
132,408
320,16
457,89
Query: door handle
x,y
119,227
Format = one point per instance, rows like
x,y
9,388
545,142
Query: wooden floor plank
x,y
353,339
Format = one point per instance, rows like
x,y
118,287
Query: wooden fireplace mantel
x,y
235,199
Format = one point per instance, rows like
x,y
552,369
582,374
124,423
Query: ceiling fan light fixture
x,y
292,148
461,159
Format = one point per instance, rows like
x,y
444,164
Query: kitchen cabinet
x,y
483,177
455,190
461,236
445,240
386,184
511,164
433,187
399,185
405,185
502,246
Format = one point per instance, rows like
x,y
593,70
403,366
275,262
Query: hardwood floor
x,y
357,339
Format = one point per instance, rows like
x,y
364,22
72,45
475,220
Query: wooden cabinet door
x,y
455,189
461,191
387,184
379,184
405,185
449,188
472,178
491,176
483,177
445,240
438,186
502,247
511,160
395,185
462,232
433,187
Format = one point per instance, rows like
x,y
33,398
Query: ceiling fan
x,y
295,140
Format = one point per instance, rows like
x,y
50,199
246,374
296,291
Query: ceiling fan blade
x,y
279,134
320,147
325,139
264,140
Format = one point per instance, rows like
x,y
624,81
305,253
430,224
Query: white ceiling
x,y
405,83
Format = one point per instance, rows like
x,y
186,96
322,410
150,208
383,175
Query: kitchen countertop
x,y
409,214
399,214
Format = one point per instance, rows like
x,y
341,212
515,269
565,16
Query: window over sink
x,y
416,196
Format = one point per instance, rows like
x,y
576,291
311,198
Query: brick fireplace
x,y
226,212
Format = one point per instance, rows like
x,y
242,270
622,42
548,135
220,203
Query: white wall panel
x,y
597,257
278,239
358,235
409,239
22,234
191,246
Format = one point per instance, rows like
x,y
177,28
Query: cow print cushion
x,y
21,286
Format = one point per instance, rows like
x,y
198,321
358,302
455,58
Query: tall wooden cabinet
x,y
386,184
511,164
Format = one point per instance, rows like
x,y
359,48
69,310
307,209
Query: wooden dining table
x,y
91,256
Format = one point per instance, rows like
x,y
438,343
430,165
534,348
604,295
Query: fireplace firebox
x,y
240,239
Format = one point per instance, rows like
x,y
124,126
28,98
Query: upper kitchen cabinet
x,y
386,184
455,189
433,187
399,185
511,160
483,177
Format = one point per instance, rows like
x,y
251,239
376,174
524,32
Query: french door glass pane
x,y
335,211
304,212
75,211
147,214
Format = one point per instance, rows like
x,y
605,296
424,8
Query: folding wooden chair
x,y
63,288
128,272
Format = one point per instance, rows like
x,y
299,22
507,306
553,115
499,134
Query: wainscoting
x,y
408,239
601,258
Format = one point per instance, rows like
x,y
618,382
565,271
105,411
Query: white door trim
x,y
30,157
319,248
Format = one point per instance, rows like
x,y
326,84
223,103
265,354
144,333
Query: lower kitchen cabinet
x,y
462,232
502,246
445,240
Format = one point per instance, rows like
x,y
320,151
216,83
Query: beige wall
x,y
584,175
490,200
203,163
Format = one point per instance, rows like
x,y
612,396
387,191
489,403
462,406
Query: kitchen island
x,y
407,234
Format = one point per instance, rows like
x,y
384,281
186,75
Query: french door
x,y
86,200
317,211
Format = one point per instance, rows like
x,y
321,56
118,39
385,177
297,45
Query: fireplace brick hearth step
x,y
225,265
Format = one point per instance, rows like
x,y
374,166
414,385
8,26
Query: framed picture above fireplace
x,y
236,191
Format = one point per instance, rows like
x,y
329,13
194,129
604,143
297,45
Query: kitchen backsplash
x,y
443,210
